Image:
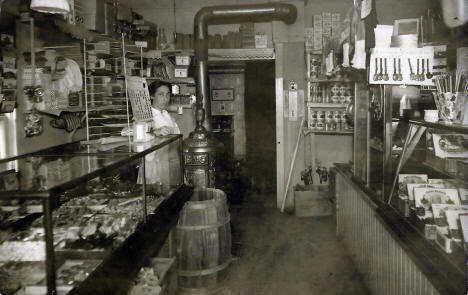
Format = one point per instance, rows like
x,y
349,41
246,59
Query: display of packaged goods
x,y
464,228
450,145
404,179
75,271
102,231
411,186
39,290
425,197
453,221
14,275
463,194
22,251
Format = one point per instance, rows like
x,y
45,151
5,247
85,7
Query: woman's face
x,y
161,97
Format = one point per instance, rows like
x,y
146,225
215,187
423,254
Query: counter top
x,y
447,272
51,171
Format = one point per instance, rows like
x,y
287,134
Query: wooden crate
x,y
313,202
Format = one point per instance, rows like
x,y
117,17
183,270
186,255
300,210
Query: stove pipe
x,y
229,15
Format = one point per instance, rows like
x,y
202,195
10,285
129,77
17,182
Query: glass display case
x,y
69,212
417,177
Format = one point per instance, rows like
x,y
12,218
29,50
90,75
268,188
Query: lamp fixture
x,y
51,6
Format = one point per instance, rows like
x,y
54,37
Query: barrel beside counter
x,y
203,242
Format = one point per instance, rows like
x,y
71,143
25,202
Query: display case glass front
x,y
66,209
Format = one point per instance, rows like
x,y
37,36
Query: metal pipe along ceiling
x,y
229,15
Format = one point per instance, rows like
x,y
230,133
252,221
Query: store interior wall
x,y
50,136
237,82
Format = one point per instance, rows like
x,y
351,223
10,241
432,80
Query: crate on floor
x,y
160,279
314,201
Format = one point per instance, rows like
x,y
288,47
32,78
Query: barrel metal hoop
x,y
206,205
204,272
199,227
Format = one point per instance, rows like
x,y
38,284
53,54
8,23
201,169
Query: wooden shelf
x,y
328,80
324,132
326,105
218,53
188,80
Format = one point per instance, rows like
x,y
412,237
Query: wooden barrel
x,y
203,242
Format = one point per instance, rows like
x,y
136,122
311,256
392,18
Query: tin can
x,y
328,116
343,116
313,114
312,125
320,116
320,126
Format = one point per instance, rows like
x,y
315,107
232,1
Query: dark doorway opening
x,y
260,123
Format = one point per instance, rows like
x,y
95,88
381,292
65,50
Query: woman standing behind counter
x,y
157,163
163,123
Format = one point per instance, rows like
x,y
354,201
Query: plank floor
x,y
278,254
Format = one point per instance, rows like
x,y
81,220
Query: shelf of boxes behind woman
x,y
7,74
106,99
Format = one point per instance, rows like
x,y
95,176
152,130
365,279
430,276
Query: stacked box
x,y
335,25
247,31
309,39
327,24
261,40
318,29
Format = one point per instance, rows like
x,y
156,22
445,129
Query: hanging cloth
x,y
358,32
369,15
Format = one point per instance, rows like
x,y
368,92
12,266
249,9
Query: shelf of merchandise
x,y
329,80
325,132
97,124
188,80
326,105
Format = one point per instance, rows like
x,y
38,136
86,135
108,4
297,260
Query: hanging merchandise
x,y
369,15
396,66
51,6
33,123
69,121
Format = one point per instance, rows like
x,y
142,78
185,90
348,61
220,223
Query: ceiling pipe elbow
x,y
229,14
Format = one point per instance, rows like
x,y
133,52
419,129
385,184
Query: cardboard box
x,y
261,40
318,29
327,23
309,39
181,72
313,202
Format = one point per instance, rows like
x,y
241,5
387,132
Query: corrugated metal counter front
x,y
391,255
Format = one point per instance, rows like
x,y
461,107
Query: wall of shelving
x,y
50,136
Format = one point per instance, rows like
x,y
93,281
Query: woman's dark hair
x,y
155,85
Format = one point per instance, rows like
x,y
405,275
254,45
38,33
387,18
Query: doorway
x,y
260,125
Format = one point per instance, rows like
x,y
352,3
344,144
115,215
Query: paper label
x,y
292,106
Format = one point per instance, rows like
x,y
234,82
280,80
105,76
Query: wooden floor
x,y
280,254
